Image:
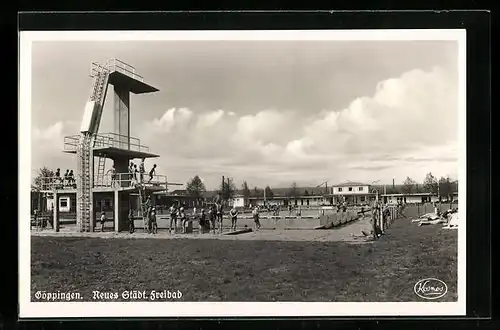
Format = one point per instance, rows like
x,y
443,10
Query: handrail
x,y
105,181
115,64
107,140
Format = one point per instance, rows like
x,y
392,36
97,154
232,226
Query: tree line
x,y
444,187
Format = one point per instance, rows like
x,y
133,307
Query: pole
x,y
228,188
222,192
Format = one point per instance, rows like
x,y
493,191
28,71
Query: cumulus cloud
x,y
410,121
407,127
173,118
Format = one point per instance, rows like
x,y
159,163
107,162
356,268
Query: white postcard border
x,y
28,309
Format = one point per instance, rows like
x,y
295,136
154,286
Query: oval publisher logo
x,y
430,288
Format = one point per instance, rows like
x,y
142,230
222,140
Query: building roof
x,y
411,194
350,183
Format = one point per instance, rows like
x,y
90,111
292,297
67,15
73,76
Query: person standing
x,y
256,219
152,173
219,215
131,225
173,218
103,220
112,170
142,170
153,226
234,217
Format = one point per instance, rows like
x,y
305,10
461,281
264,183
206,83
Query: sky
x,y
265,112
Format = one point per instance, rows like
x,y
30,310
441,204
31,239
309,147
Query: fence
x,y
107,140
105,181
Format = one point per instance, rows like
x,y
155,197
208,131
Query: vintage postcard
x,y
242,173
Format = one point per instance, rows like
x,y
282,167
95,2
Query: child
x,y
219,215
142,170
153,225
71,179
234,216
152,173
255,215
173,218
182,218
103,220
204,225
213,218
131,226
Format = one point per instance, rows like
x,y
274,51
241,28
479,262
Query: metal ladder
x,y
143,207
85,157
84,191
101,164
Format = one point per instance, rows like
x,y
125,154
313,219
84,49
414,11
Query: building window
x,y
360,188
362,198
340,189
350,188
64,202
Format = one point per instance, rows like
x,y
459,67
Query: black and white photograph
x,y
242,173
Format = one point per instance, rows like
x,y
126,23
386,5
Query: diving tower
x,y
93,148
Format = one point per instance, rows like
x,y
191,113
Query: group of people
x,y
137,175
68,180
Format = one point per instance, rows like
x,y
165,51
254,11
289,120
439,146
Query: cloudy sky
x,y
266,112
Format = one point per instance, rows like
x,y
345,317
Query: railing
x,y
57,183
107,140
105,181
115,65
128,180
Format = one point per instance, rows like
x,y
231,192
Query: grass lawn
x,y
227,270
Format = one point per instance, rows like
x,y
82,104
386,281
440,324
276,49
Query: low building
x,y
351,193
237,201
412,198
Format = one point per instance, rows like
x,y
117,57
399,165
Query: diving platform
x,y
123,75
111,145
107,182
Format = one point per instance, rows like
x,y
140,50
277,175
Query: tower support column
x,y
122,116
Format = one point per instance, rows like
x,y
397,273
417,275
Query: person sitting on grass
x,y
103,220
256,220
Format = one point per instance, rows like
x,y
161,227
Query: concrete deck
x,y
349,233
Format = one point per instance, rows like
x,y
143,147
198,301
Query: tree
x,y
430,184
293,190
269,192
408,185
306,193
195,187
445,187
228,189
38,181
256,192
245,190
